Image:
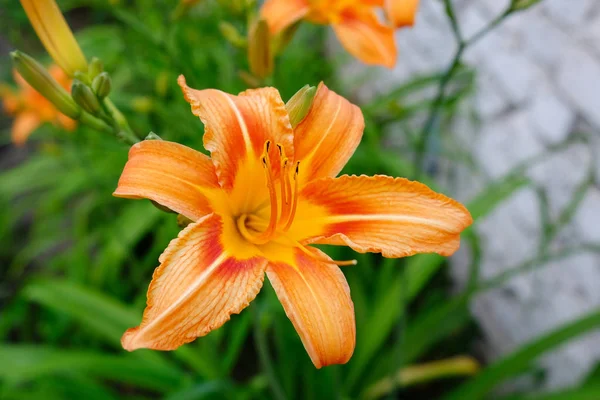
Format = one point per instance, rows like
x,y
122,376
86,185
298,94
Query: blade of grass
x,y
520,360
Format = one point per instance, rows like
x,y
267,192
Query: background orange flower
x,y
30,109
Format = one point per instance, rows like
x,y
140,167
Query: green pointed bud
x,y
83,77
520,5
152,136
260,57
95,68
300,103
232,35
183,221
101,85
84,96
284,38
36,75
162,208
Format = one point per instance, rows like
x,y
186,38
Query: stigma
x,y
283,202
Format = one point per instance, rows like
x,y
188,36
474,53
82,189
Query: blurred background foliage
x,y
75,262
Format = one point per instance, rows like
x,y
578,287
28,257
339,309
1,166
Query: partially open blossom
x,y
355,23
55,35
266,193
30,109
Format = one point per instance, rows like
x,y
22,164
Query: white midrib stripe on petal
x,y
386,217
198,282
242,124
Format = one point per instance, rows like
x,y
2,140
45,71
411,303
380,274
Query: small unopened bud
x,y
520,5
95,68
84,96
260,57
83,77
284,38
162,208
183,221
152,136
300,103
101,85
232,35
36,75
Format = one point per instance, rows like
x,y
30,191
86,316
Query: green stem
x,y
125,131
425,134
94,123
260,341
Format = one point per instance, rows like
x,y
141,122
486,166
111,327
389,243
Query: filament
x,y
292,214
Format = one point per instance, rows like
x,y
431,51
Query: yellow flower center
x,y
254,228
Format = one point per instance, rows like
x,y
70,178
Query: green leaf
x,y
106,318
581,393
30,363
520,360
521,5
101,314
203,390
75,386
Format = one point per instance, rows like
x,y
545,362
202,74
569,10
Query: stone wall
x,y
538,84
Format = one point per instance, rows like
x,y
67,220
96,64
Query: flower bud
x,y
162,208
183,221
300,103
232,35
101,85
152,136
260,57
82,77
39,79
95,68
55,34
84,96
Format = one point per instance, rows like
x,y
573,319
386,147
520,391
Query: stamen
x,y
265,236
316,256
290,217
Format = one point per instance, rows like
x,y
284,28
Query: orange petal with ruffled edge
x,y
401,12
23,125
367,39
237,127
326,138
316,298
199,284
280,14
392,216
179,178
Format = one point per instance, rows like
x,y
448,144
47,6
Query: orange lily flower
x,y
264,195
355,23
31,109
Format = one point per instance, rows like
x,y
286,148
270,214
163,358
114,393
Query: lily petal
x,y
326,138
316,298
171,174
367,39
394,216
401,12
196,288
237,127
280,14
23,125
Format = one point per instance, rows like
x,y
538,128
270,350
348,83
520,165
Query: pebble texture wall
x,y
538,84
